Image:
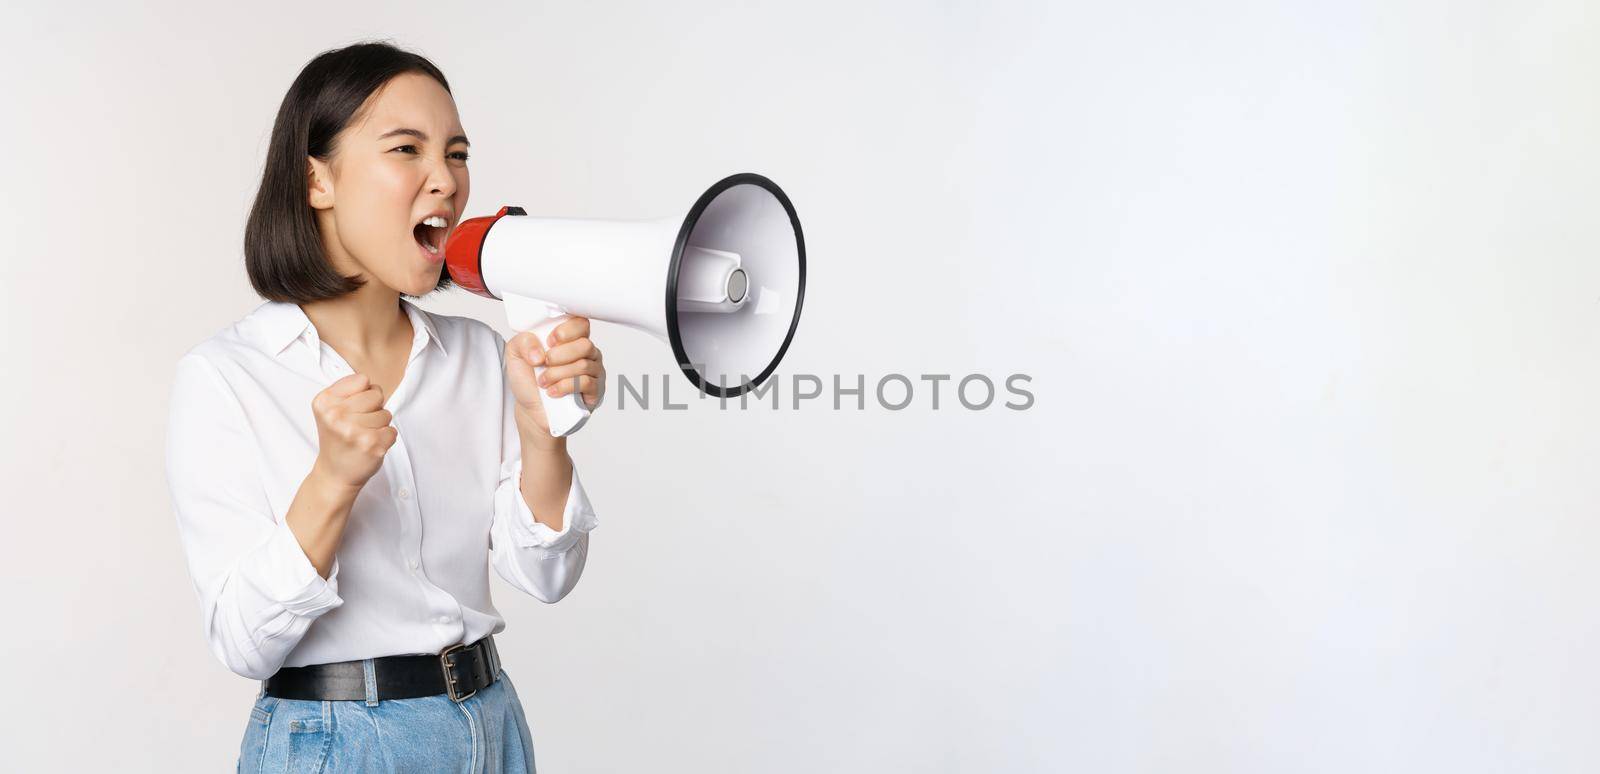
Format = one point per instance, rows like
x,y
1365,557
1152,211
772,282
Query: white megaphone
x,y
722,284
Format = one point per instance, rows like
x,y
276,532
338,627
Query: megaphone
x,y
722,285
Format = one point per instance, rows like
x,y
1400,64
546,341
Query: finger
x,y
580,383
349,385
555,374
589,388
525,347
570,351
379,418
574,328
367,400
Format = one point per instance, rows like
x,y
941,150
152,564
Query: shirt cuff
x,y
287,576
577,519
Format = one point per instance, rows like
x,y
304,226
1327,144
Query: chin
x,y
422,288
418,284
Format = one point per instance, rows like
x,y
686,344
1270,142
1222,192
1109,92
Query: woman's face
x,y
402,159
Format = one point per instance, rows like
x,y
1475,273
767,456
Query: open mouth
x,y
430,234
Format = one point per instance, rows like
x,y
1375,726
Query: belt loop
x,y
370,672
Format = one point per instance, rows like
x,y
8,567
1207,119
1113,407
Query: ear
x,y
319,184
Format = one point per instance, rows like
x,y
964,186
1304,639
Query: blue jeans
x,y
485,733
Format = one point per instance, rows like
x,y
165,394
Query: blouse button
x,y
405,494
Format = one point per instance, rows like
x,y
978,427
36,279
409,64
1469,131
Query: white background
x,y
1308,292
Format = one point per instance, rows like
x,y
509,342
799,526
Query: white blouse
x,y
412,572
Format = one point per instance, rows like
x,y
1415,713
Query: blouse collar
x,y
279,323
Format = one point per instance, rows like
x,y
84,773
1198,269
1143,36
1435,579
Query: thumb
x,y
525,347
349,385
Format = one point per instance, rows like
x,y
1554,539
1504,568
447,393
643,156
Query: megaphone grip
x,y
566,414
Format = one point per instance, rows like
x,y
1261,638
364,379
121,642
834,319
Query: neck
x,y
363,322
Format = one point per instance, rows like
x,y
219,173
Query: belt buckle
x,y
449,676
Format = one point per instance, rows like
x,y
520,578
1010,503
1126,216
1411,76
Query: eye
x,y
412,150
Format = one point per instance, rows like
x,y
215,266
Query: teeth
x,y
434,221
431,249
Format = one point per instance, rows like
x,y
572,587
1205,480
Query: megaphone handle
x,y
567,413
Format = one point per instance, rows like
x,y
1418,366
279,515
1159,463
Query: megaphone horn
x,y
722,285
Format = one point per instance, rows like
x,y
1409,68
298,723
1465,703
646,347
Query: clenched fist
x,y
353,431
571,361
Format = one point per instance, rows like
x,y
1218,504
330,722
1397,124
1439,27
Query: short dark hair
x,y
283,251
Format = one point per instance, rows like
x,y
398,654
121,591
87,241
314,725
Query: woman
x,y
345,466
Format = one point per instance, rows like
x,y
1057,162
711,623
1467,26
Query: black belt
x,y
459,671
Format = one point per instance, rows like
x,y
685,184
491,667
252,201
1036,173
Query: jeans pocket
x,y
309,740
253,748
262,711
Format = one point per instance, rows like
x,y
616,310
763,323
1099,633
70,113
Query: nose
x,y
440,181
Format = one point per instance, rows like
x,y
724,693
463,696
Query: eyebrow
x,y
423,136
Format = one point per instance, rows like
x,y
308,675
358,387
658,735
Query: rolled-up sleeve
x,y
532,557
258,591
